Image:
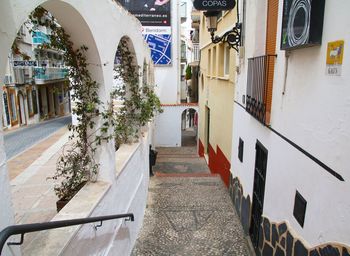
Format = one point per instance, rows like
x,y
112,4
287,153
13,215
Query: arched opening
x,y
86,25
36,90
126,84
21,108
189,127
122,81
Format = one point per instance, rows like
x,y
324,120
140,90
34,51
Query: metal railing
x,y
50,73
34,227
257,83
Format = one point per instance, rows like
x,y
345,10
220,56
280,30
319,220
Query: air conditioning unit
x,y
19,75
302,23
8,79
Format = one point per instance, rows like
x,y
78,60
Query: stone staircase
x,y
189,211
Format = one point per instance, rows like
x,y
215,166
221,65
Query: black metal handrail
x,y
34,227
257,81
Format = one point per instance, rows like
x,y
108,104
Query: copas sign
x,y
218,5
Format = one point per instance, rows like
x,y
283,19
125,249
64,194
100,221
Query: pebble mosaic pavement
x,y
189,215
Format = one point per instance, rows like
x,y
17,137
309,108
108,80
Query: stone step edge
x,y
164,175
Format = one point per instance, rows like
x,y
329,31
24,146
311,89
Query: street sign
x,y
24,63
217,5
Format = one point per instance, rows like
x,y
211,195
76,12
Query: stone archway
x,y
125,44
189,127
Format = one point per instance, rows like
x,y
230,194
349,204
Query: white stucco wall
x,y
313,113
127,194
98,25
168,126
167,78
6,212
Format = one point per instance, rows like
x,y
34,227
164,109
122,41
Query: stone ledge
x,y
124,154
53,242
126,151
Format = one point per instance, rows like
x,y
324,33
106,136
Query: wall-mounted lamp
x,y
232,37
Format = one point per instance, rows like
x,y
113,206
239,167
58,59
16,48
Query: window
x,y
209,62
221,59
13,108
213,73
299,208
35,106
240,150
30,101
6,109
227,61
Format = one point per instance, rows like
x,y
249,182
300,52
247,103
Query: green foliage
x,y
140,105
77,164
188,73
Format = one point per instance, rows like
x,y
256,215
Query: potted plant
x,y
188,74
73,170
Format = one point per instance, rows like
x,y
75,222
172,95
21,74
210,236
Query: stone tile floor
x,y
189,211
32,192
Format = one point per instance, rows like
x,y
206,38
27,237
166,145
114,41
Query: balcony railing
x,y
50,73
39,37
259,77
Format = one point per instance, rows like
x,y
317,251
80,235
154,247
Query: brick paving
x,y
19,163
189,211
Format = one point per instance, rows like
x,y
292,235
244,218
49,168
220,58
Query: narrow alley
x,y
195,127
189,211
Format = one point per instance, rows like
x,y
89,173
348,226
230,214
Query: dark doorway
x,y
207,128
48,101
258,192
189,127
21,107
7,113
41,108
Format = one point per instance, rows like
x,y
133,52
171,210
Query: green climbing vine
x,y
77,164
140,104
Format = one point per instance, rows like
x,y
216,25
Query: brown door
x,y
13,106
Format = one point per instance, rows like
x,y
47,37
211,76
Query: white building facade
x,y
35,84
122,182
289,173
170,79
